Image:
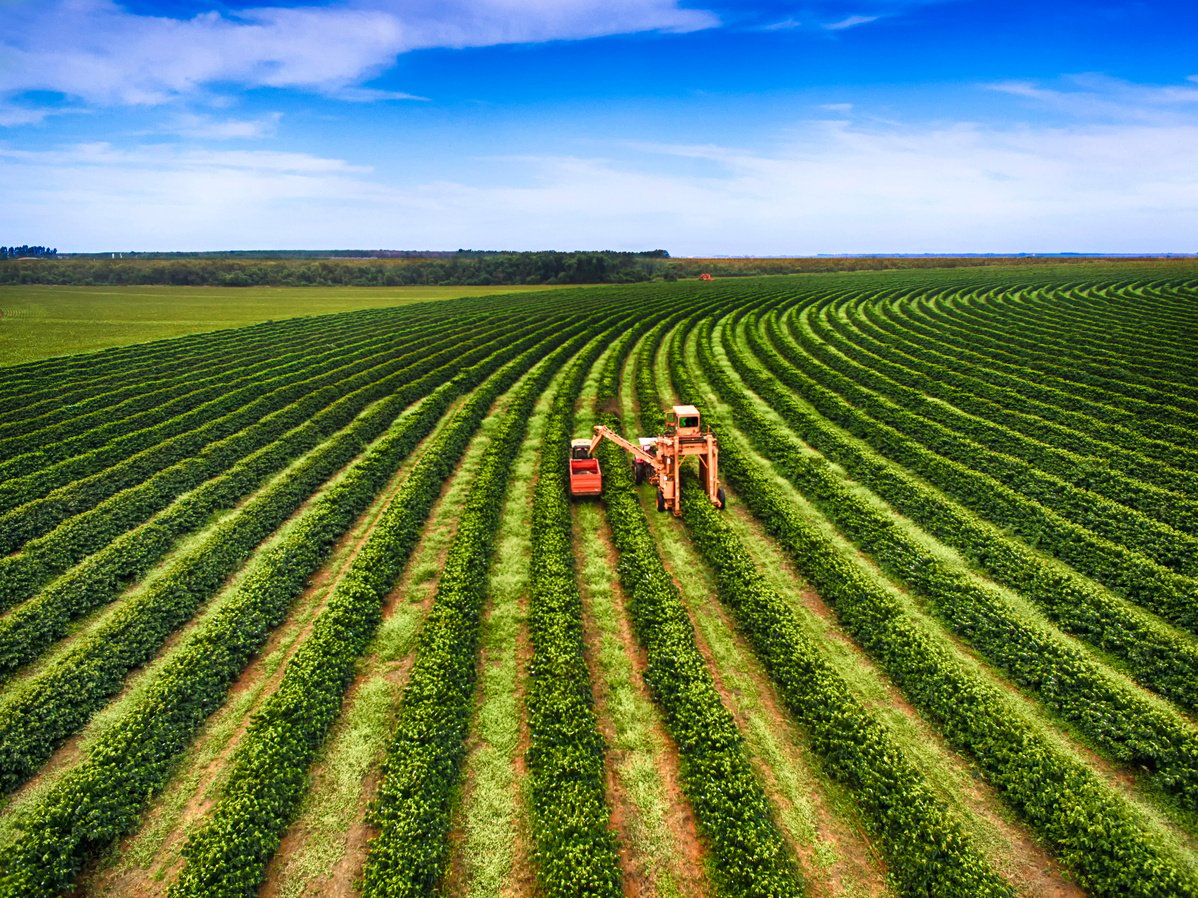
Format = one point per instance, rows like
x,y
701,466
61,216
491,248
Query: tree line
x,y
461,269
27,251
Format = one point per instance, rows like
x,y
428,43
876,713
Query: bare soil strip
x,y
490,852
659,846
816,814
323,852
149,859
1009,846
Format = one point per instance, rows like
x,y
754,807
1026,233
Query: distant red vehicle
x,y
585,477
706,277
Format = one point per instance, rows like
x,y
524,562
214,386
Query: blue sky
x,y
763,128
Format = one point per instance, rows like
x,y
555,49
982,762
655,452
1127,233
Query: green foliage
x,y
1091,830
575,849
423,763
1158,657
1118,720
1126,572
926,850
229,855
987,386
747,851
98,508
138,754
459,268
31,628
53,705
873,394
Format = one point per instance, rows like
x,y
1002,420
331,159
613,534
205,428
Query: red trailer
x,y
585,478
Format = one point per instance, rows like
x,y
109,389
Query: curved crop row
x,y
1075,433
923,345
1088,347
423,764
55,386
53,705
228,856
1013,351
936,327
1063,347
1103,469
575,850
46,497
30,629
747,851
1155,654
77,537
53,436
210,401
103,797
1088,330
927,852
1159,590
1094,833
1117,719
1118,524
1159,309
958,325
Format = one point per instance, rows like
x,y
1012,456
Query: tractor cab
x,y
580,449
683,420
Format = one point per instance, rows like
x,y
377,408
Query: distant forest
x,y
397,268
27,252
332,269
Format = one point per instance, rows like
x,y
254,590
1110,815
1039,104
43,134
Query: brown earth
x,y
689,859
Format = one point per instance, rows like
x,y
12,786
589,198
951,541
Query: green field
x,y
304,608
40,322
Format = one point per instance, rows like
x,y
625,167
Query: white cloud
x,y
96,51
835,187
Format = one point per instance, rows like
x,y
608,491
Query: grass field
x,y
40,322
303,607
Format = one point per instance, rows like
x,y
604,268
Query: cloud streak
x,y
850,22
1098,96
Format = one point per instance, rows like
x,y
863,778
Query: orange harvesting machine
x,y
656,459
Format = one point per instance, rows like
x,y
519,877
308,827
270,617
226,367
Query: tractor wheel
x,y
719,494
661,501
638,475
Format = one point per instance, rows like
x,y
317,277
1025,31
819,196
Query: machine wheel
x,y
661,501
719,494
638,475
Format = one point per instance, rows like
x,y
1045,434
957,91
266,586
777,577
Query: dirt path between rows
x,y
839,857
1013,850
688,855
261,676
288,873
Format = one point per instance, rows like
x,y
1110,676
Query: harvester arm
x,y
602,432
